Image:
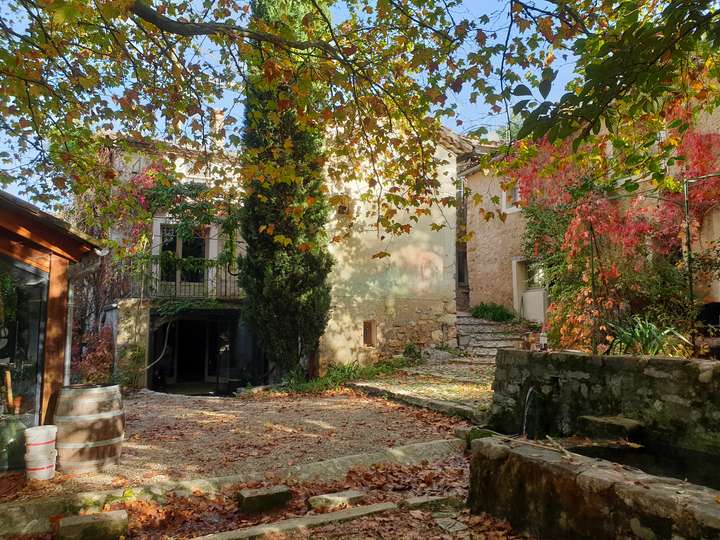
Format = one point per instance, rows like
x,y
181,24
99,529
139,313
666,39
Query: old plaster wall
x,y
410,294
133,328
494,244
677,400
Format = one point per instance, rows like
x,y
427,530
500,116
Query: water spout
x,y
528,396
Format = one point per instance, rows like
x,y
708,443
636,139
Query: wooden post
x,y
55,330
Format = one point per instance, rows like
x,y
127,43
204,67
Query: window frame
x,y
178,253
514,206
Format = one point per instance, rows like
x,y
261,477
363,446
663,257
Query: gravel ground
x,y
172,437
480,373
437,382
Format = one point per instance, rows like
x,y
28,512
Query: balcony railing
x,y
209,279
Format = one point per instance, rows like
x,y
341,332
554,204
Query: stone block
x,y
450,524
294,527
608,427
432,502
101,526
263,499
477,432
333,501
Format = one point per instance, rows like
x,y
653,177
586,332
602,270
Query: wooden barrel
x,y
91,427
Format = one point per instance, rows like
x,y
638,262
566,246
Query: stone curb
x,y
445,407
301,523
33,516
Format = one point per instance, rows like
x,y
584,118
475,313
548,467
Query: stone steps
x,y
478,350
483,338
489,340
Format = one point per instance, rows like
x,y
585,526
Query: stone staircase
x,y
481,338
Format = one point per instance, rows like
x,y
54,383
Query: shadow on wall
x,y
379,305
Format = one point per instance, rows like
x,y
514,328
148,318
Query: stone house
x,y
495,268
378,305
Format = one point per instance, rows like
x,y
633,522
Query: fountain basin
x,y
695,467
554,493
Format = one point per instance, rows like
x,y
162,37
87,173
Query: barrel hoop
x,y
87,417
90,399
94,444
112,390
47,468
30,444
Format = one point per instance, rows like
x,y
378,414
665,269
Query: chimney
x,y
217,128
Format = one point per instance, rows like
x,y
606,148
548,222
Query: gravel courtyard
x,y
172,437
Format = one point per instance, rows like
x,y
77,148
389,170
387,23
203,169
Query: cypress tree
x,y
285,268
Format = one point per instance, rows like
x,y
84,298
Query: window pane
x,y
23,293
167,256
536,276
193,255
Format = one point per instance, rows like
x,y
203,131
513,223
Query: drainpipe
x,y
68,336
688,243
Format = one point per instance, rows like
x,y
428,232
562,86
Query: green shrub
x,y
492,312
131,368
339,374
638,335
412,351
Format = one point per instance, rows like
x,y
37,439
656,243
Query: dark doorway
x,y
204,352
191,350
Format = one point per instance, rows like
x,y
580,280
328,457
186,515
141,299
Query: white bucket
x,y
39,440
40,466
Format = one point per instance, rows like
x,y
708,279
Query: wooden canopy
x,y
41,240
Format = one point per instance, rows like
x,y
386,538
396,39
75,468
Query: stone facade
x,y
408,297
494,245
569,497
133,328
677,400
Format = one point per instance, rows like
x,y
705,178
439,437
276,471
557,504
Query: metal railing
x,y
210,280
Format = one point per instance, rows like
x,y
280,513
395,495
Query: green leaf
x,y
544,87
631,185
519,106
521,90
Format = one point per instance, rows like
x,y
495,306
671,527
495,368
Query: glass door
x,y
23,295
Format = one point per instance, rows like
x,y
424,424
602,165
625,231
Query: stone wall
x,y
133,328
677,400
569,497
409,295
494,244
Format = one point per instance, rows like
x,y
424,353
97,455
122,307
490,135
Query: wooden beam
x,y
55,332
21,251
42,235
